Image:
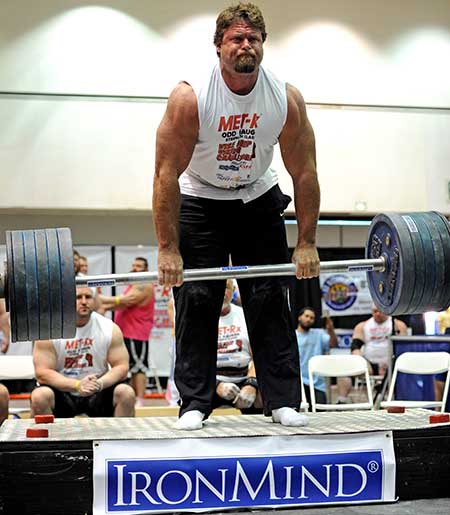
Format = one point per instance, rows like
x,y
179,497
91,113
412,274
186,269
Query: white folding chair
x,y
16,367
339,366
423,363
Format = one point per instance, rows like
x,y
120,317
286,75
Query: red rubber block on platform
x,y
396,409
439,419
34,432
44,419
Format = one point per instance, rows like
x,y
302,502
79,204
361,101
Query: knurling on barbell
x,y
407,264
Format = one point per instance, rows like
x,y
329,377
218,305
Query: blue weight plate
x,y
10,293
43,284
68,287
20,314
54,276
389,236
433,260
443,228
31,285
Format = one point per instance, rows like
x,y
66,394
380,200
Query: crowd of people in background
x,y
104,370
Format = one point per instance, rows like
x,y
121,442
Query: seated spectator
x,y
236,378
134,314
371,340
314,342
236,383
84,375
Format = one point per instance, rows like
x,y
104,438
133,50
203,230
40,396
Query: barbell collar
x,y
231,272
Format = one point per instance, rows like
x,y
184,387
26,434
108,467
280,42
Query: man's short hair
x,y
248,12
144,260
306,308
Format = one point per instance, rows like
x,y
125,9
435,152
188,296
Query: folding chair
x,y
423,363
339,366
16,367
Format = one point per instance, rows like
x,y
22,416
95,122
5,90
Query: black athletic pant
x,y
253,234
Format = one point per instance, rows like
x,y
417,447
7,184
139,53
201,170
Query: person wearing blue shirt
x,y
314,342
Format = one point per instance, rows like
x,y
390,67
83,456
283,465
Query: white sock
x,y
190,420
289,417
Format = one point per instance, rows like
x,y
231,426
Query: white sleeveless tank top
x,y
87,352
376,338
237,134
233,346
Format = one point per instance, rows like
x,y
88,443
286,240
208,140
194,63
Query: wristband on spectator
x,y
117,300
251,381
356,344
77,386
100,382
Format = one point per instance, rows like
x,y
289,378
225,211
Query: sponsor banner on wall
x,y
345,294
161,336
149,476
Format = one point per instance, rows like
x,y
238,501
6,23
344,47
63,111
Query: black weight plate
x,y
68,287
419,279
403,232
443,228
19,286
389,237
43,284
31,285
10,294
434,262
439,260
54,274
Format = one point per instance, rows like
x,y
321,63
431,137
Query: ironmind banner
x,y
207,474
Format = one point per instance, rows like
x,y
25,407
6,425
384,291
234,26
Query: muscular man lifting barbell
x,y
221,134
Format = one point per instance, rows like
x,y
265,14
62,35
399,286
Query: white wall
x,y
94,153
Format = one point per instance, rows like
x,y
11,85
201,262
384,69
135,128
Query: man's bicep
x,y
178,131
44,356
297,140
358,331
117,353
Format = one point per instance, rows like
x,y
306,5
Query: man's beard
x,y
305,327
245,64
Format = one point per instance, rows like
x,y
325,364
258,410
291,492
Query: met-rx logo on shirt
x,y
232,482
238,121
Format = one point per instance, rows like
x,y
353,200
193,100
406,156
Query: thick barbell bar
x,y
407,264
231,272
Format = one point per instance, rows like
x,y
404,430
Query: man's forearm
x,y
166,209
307,206
114,376
333,337
111,303
57,380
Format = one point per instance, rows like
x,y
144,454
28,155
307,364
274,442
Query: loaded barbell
x,y
407,264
